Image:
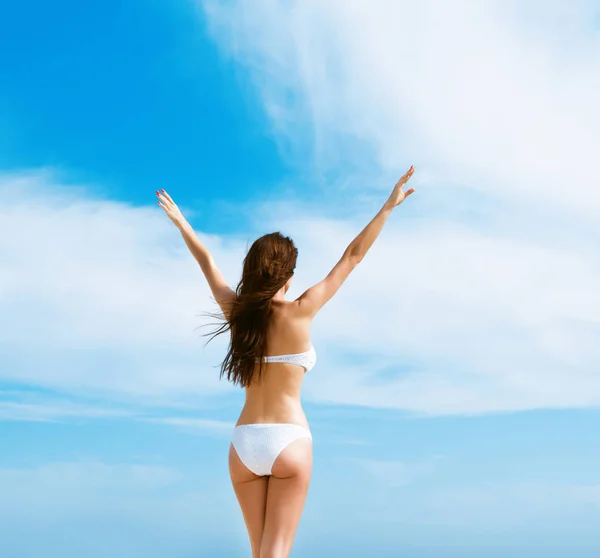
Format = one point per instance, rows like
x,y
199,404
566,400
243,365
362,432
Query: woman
x,y
270,350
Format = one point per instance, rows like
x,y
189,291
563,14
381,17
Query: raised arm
x,y
313,299
223,294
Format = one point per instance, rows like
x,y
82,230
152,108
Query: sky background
x,y
455,401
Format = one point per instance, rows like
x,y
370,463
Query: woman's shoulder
x,y
288,310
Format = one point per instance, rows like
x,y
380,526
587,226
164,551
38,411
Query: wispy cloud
x,y
512,326
40,407
85,483
17,411
481,93
195,424
480,295
390,473
101,296
127,501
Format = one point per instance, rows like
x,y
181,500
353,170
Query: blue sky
x,y
454,404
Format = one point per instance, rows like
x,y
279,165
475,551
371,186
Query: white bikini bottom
x,y
258,445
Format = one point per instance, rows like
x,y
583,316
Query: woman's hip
x,y
259,444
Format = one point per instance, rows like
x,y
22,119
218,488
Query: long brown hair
x,y
268,265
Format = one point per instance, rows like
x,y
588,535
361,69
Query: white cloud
x,y
391,474
111,509
481,293
48,412
511,505
195,424
102,296
27,406
512,326
482,93
87,484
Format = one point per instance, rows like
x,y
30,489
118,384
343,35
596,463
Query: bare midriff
x,y
276,397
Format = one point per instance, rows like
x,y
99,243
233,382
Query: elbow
x,y
354,259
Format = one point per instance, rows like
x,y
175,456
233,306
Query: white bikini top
x,y
306,359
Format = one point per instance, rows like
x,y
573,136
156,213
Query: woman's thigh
x,y
251,493
286,495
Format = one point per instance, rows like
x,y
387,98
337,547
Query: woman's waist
x,y
277,414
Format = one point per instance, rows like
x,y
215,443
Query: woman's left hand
x,y
171,209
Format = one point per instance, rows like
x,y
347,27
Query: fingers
x,y
406,176
164,197
162,201
409,192
167,196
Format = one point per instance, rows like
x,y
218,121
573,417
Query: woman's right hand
x,y
398,195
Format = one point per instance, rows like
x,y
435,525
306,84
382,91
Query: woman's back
x,y
275,397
